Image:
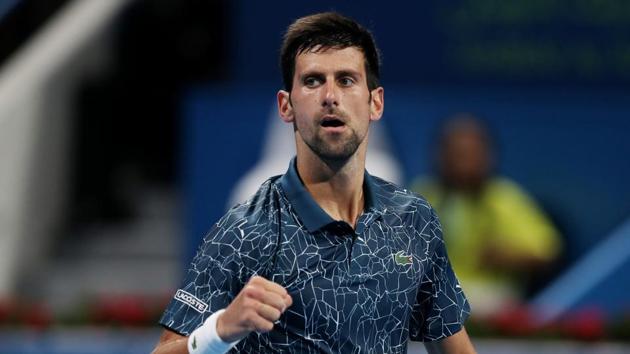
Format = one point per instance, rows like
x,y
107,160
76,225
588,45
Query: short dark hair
x,y
325,31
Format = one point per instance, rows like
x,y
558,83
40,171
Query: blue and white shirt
x,y
363,290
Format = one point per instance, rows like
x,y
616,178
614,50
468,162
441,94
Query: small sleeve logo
x,y
191,300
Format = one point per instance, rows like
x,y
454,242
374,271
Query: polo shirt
x,y
362,290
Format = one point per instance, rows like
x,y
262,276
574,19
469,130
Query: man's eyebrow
x,y
338,74
312,73
353,73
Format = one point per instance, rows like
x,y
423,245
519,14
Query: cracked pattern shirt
x,y
362,290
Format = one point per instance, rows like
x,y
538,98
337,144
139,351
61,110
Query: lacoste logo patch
x,y
402,259
191,300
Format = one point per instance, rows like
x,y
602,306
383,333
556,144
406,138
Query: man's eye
x,y
311,82
346,81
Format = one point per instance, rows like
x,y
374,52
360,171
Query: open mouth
x,y
332,123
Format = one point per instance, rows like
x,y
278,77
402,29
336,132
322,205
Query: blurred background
x,y
127,127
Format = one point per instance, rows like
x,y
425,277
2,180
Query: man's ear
x,y
377,103
284,106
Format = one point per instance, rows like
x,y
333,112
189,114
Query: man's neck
x,y
336,186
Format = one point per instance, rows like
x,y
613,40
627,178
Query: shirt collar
x,y
311,214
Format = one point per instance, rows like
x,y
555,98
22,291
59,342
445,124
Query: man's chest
x,y
346,284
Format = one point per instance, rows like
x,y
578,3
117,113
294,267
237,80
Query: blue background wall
x,y
559,42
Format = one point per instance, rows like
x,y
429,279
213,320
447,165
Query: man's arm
x,y
256,307
171,343
458,343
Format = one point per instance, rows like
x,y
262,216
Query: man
x,y
496,235
325,258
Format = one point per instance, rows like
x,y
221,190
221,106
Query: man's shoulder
x,y
399,199
258,211
502,186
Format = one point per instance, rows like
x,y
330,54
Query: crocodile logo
x,y
402,259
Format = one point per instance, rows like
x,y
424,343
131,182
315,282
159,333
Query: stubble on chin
x,y
335,151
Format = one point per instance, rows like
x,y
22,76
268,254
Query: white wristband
x,y
206,340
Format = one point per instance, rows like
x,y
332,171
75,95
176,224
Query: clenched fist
x,y
259,304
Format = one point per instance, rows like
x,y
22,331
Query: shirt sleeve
x,y
441,307
234,250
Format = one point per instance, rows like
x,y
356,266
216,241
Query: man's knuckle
x,y
265,326
278,305
249,291
282,291
249,304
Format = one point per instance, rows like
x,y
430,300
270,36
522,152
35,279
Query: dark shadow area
x,y
127,126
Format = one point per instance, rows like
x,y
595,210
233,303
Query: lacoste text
x,y
191,300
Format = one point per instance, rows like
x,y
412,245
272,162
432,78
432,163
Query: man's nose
x,y
331,96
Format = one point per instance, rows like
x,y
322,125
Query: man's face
x,y
330,103
466,159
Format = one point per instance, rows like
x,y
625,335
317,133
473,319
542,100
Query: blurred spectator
x,y
498,239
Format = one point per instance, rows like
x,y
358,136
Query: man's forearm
x,y
176,346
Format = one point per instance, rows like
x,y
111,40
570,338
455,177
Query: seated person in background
x,y
496,236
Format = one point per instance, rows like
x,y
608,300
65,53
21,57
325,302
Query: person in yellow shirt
x,y
496,235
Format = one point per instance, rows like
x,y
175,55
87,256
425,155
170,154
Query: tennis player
x,y
325,258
